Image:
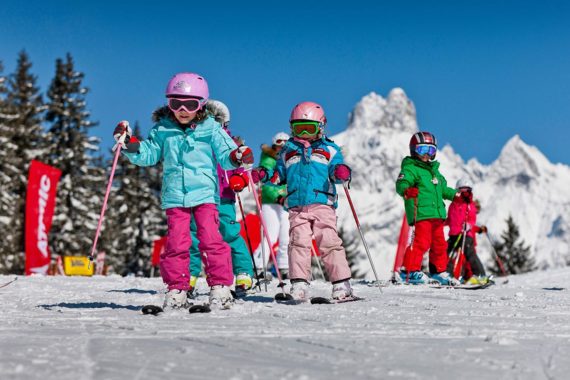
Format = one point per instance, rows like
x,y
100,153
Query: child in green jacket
x,y
424,188
275,216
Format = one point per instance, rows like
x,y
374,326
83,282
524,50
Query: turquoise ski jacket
x,y
189,158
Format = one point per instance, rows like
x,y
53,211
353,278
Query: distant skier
x,y
424,188
189,143
311,164
462,215
229,227
275,216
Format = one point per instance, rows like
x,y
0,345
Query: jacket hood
x,y
268,150
160,113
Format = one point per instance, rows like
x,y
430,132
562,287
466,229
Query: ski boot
x,y
175,299
284,274
415,278
191,290
445,278
299,290
397,278
342,290
477,280
221,296
244,284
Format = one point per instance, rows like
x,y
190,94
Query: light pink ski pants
x,y
216,254
319,221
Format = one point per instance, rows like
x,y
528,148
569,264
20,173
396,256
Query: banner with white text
x,y
40,205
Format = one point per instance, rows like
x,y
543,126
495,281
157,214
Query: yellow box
x,y
78,266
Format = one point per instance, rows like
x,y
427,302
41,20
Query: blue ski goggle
x,y
428,149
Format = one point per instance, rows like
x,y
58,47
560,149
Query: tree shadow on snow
x,y
133,290
90,305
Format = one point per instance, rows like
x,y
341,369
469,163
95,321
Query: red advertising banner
x,y
157,250
402,244
40,205
254,228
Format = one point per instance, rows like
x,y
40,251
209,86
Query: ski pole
x,y
415,219
117,150
345,186
318,261
262,245
464,233
412,236
258,285
497,258
266,234
452,252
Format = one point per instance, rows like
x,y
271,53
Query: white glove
x,y
122,128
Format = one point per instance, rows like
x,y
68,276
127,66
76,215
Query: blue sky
x,y
478,72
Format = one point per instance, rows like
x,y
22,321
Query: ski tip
x,y
279,297
199,309
151,309
320,301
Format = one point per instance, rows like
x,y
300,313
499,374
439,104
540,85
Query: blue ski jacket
x,y
189,157
308,172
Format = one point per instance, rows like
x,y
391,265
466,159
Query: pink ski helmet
x,y
187,85
308,111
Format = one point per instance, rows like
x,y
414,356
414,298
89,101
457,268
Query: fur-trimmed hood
x,y
269,150
160,113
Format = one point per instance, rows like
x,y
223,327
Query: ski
x,y
8,283
466,287
204,308
286,299
241,293
155,310
151,309
330,301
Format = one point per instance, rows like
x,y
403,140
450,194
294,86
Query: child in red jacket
x,y
462,218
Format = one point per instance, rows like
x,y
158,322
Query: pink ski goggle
x,y
188,104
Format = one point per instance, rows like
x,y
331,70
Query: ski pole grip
x,y
121,141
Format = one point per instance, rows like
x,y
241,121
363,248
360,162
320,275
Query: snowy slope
x,y
91,328
521,182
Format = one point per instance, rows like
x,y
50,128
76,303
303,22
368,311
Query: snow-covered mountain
x,y
521,182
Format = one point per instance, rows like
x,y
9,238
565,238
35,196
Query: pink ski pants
x,y
216,254
319,221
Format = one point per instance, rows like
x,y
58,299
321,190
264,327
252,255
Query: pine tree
x,y
514,254
135,218
7,197
24,106
71,149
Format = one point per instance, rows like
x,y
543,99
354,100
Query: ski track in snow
x,y
92,328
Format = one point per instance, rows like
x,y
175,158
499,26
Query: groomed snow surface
x,y
92,328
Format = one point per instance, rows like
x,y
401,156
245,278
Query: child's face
x,y
184,117
306,130
309,138
424,158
